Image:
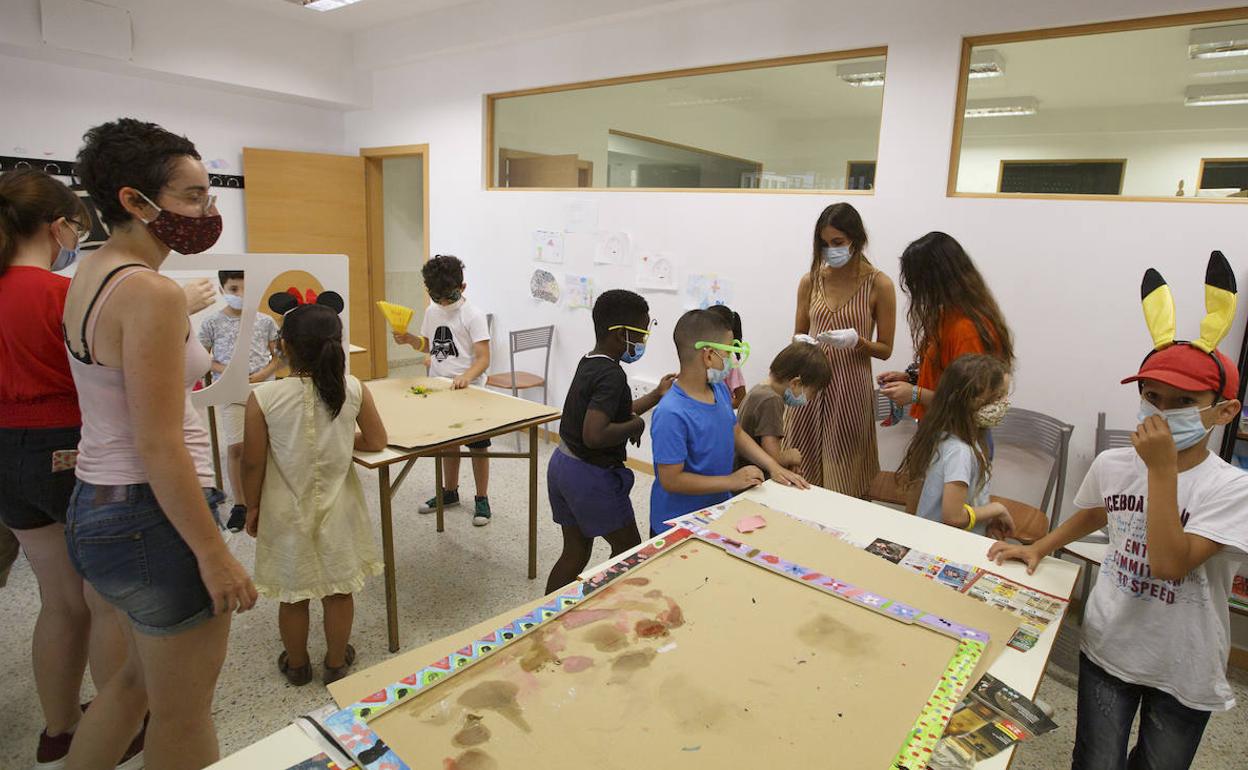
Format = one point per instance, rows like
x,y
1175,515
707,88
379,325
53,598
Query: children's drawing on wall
x,y
578,291
702,290
580,216
656,271
612,249
548,246
544,286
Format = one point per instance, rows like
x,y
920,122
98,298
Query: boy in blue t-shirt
x,y
694,433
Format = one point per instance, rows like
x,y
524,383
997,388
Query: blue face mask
x,y
634,352
234,301
1185,424
716,376
795,401
836,256
64,258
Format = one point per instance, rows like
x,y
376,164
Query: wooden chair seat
x,y
1030,523
523,380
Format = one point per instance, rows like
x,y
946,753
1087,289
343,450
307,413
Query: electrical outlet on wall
x,y
641,387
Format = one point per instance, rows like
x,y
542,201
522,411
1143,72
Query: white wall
x,y
186,41
47,108
1067,273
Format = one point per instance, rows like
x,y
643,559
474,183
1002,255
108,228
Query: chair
x,y
892,442
1022,439
1110,439
537,338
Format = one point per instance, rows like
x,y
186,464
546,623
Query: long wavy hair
x,y
939,276
845,218
969,383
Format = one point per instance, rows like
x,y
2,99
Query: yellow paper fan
x,y
399,316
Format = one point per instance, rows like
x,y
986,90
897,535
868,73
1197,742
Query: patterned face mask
x,y
991,415
183,234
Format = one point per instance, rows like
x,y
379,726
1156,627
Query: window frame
x,y
490,159
1127,25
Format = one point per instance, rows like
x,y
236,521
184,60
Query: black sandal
x,y
334,674
297,676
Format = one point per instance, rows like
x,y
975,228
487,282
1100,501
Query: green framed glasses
x,y
740,348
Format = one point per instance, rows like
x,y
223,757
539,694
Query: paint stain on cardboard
x,y
647,628
673,616
473,759
691,706
578,618
624,666
499,696
473,733
826,632
537,656
636,581
654,594
607,638
575,664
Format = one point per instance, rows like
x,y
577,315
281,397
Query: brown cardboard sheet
x,y
414,421
694,659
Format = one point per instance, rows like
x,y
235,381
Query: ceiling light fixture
x,y
323,5
866,74
986,64
1214,96
1218,42
1002,108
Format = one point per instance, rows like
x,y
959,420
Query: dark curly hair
x,y
128,153
443,275
616,307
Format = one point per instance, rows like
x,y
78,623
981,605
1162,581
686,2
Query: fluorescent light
x,y
1001,108
324,5
986,64
1214,96
868,74
1218,42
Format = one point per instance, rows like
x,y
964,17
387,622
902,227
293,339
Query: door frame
x,y
374,192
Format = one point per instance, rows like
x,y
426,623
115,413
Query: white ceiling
x,y
352,18
1145,67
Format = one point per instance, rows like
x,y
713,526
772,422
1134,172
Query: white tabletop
x,y
863,521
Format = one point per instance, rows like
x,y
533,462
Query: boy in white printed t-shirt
x,y
219,335
1156,632
456,335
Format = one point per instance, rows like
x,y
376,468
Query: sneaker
x,y
481,512
52,751
238,518
450,499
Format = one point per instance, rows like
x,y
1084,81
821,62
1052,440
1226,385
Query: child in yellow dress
x,y
305,505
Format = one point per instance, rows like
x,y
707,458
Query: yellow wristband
x,y
969,512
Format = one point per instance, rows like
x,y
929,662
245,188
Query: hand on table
x,y
747,477
788,478
460,382
1029,555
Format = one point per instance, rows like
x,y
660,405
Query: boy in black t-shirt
x,y
588,483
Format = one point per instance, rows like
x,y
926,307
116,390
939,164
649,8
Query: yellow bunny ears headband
x,y
1220,295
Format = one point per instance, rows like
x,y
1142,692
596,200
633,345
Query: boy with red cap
x,y
1156,632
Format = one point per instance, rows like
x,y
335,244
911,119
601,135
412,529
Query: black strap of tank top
x,y
86,348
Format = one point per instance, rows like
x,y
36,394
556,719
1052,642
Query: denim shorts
x,y
32,494
122,543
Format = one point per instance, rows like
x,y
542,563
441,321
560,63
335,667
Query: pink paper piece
x,y
751,523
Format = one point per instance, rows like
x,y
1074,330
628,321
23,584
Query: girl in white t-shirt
x,y
950,453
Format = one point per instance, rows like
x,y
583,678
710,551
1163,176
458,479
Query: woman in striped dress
x,y
850,308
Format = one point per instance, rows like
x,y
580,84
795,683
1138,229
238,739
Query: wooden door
x,y
313,203
526,169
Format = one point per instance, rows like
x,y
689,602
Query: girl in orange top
x,y
951,313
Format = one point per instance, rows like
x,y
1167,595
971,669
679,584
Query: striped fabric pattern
x,y
835,431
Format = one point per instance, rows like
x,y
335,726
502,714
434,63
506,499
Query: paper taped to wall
x,y
578,291
702,290
544,286
548,246
656,271
612,249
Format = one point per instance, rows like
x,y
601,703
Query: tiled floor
x,y
447,582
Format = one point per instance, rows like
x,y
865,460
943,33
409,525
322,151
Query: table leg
x,y
387,547
532,502
437,485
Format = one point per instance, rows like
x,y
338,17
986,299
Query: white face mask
x,y
234,301
836,256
